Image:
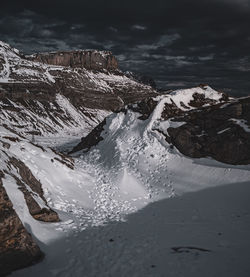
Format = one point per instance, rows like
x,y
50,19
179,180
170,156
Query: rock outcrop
x,y
45,213
89,59
199,122
144,107
17,248
221,132
92,139
88,81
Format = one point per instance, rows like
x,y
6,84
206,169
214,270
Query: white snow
x,y
222,131
129,200
5,73
215,219
106,82
242,123
164,125
132,198
185,96
76,122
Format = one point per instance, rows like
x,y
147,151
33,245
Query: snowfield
x,y
134,206
205,233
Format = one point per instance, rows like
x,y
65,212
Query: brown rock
x,y
17,248
89,59
42,214
144,107
212,132
92,139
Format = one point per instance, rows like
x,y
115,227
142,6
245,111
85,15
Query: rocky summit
x,y
88,59
86,149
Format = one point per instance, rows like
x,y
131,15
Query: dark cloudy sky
x,y
180,43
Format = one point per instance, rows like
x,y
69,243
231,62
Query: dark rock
x,y
5,144
88,80
144,107
92,139
14,139
211,132
17,248
42,214
188,249
2,62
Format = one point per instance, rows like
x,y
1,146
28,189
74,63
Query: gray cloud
x,y
176,42
139,27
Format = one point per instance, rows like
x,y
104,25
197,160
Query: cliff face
x,y
28,87
89,59
64,93
17,248
199,122
221,132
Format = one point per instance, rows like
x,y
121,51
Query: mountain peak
x,y
88,59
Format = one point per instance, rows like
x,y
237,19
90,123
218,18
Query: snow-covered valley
x,y
204,233
113,178
130,201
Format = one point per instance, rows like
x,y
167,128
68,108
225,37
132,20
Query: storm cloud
x,y
179,43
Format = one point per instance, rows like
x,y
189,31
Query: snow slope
x,y
204,233
47,99
60,119
16,67
133,206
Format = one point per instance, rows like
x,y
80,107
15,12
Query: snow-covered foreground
x,y
133,206
205,233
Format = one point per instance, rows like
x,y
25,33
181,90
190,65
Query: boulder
x,y
220,131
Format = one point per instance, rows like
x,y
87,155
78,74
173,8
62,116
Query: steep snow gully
x,y
134,206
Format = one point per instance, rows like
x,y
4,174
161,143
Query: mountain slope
x,y
48,98
138,148
132,196
197,122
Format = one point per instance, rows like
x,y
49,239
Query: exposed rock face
x,y
91,59
36,87
92,139
44,94
17,248
198,100
221,132
209,124
144,107
1,64
43,214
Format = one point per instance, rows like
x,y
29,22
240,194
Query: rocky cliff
x,y
199,122
17,248
45,94
89,59
40,84
58,98
221,132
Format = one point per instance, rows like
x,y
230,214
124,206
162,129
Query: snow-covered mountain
x,y
43,98
199,122
138,150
